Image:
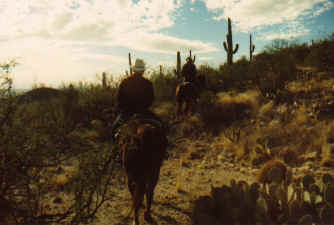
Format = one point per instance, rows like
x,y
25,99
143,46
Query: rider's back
x,y
189,71
135,94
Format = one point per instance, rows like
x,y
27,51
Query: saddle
x,y
140,118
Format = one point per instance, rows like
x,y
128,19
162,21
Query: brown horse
x,y
143,144
188,93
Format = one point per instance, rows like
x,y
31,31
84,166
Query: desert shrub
x,y
322,54
240,74
271,72
96,102
36,138
234,76
299,52
164,85
214,82
223,109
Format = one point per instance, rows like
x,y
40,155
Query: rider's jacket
x,y
135,94
189,72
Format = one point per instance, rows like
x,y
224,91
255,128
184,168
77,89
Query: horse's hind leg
x,y
188,107
150,192
138,198
179,105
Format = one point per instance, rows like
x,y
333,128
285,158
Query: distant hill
x,y
39,94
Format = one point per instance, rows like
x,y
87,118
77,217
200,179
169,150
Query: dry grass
x,y
281,131
165,110
228,108
266,111
191,126
247,102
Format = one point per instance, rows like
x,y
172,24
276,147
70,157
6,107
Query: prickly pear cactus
x,y
308,180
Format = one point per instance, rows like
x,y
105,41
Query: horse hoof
x,y
148,217
135,223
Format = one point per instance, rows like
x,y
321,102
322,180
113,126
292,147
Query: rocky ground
x,y
185,176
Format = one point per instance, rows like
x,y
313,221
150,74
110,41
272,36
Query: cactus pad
x,y
308,180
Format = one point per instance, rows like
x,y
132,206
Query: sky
x,y
62,41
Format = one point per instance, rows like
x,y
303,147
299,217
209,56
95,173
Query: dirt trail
x,y
179,184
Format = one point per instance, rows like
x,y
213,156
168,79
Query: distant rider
x,y
189,70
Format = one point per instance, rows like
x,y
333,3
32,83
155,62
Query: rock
x,y
328,163
185,163
194,155
259,160
304,169
254,171
309,164
243,170
310,156
59,170
58,200
220,157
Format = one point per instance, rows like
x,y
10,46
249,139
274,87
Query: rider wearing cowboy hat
x,y
135,96
189,70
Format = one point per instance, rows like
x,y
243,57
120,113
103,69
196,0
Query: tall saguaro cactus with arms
x,y
191,58
228,44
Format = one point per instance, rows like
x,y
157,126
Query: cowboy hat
x,y
139,65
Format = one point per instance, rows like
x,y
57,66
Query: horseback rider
x,y
189,70
135,96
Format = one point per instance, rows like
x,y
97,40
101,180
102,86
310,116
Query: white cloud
x,y
282,35
249,14
84,20
205,58
159,43
291,30
53,62
65,40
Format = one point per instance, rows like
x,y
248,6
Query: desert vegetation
x,y
58,164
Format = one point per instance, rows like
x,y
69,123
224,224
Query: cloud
x,y
66,40
249,14
160,43
205,58
84,20
53,62
286,36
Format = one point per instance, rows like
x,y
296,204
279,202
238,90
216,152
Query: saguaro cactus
x,y
228,46
130,64
104,80
192,59
178,64
177,71
251,48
